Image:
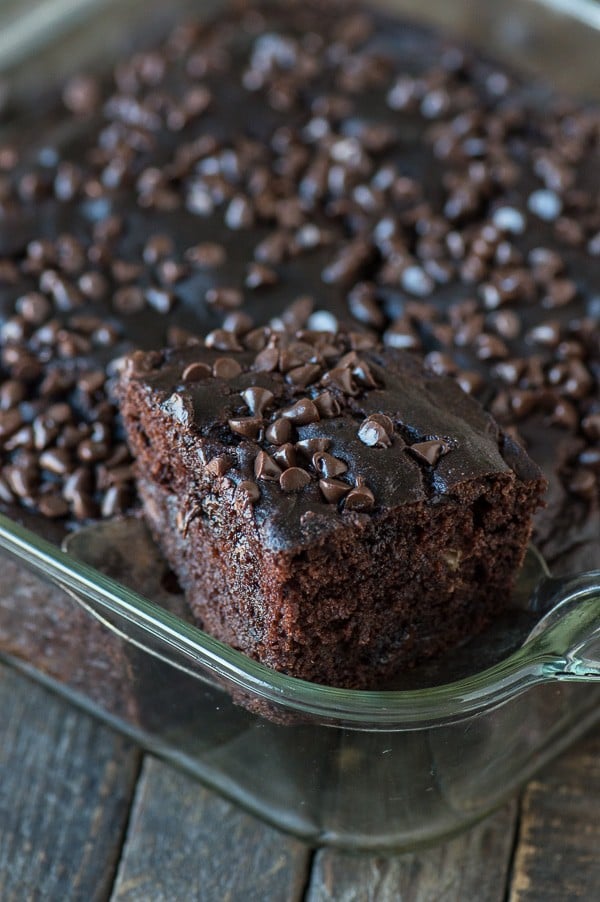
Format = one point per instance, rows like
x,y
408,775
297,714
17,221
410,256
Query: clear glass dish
x,y
362,770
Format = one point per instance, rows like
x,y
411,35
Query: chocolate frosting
x,y
213,418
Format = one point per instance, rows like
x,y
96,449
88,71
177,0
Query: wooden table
x,y
86,815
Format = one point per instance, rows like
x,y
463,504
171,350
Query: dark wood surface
x,y
85,815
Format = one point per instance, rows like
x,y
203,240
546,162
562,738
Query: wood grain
x,y
472,867
185,842
558,854
65,792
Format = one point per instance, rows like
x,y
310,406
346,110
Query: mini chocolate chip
x,y
206,255
429,452
90,452
416,281
266,361
273,249
226,368
362,303
279,432
327,405
333,490
578,381
560,292
124,271
33,307
310,446
547,334
218,466
128,300
294,479
196,372
591,426
583,484
341,378
363,375
545,204
56,460
159,299
302,412
83,506
258,276
224,298
81,95
21,479
247,427
22,438
157,247
384,421
180,408
115,501
91,382
11,393
170,271
266,468
255,339
374,434
327,465
301,376
292,357
470,381
565,414
222,341
590,457
286,455
249,490
359,498
52,506
506,323
257,399
10,421
239,213
79,481
239,323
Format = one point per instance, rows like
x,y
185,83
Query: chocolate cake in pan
x,y
302,166
329,507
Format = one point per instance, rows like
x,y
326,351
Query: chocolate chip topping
x,y
265,467
257,399
247,427
429,452
359,499
294,479
333,490
375,434
279,431
196,372
301,412
328,466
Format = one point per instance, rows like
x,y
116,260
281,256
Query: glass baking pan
x,y
379,770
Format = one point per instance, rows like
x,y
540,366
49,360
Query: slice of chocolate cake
x,y
330,508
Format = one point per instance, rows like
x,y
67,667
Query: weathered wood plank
x,y
185,842
472,867
66,784
558,854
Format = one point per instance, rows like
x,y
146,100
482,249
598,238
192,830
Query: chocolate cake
x,y
302,165
329,507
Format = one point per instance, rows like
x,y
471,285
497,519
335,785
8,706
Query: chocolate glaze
x,y
214,419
